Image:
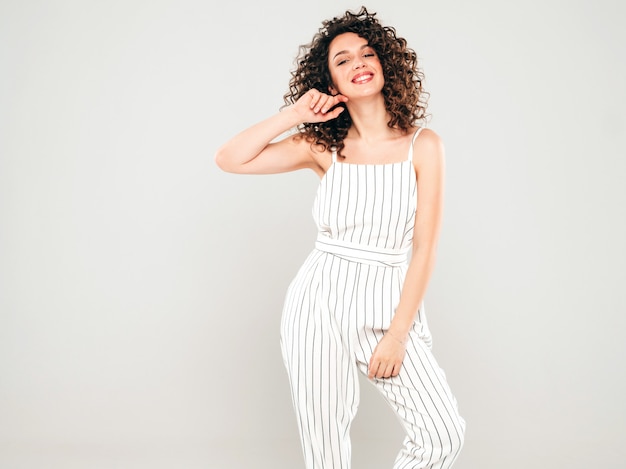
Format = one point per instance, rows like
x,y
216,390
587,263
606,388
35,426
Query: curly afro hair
x,y
405,98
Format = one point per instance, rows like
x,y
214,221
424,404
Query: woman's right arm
x,y
250,152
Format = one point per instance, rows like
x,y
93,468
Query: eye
x,y
341,62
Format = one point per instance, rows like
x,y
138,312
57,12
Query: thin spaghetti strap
x,y
334,153
417,132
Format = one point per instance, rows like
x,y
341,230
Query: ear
x,y
332,90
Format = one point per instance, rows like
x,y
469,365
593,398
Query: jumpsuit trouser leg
x,y
329,330
422,400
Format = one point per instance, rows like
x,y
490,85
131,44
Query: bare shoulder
x,y
428,140
428,149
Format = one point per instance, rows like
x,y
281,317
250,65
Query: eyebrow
x,y
345,51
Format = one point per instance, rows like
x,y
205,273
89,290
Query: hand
x,y
315,106
387,358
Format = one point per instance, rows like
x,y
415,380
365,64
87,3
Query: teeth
x,y
362,78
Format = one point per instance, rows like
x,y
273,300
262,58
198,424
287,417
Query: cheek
x,y
334,80
381,71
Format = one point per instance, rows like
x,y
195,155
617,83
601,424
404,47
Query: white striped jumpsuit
x,y
339,306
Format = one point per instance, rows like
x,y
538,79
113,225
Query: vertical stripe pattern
x,y
339,306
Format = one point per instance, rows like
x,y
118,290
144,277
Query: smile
x,y
362,78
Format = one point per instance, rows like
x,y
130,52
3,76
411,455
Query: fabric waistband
x,y
362,253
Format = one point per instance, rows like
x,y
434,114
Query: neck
x,y
369,118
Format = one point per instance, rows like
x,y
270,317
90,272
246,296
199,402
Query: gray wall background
x,y
141,288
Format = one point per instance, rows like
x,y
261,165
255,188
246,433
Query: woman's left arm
x,y
429,162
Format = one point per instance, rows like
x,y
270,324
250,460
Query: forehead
x,y
347,42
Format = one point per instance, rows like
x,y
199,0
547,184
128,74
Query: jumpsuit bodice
x,y
366,212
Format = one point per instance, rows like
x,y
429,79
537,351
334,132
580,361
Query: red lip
x,y
355,78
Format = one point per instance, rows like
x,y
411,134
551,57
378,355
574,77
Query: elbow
x,y
229,159
222,160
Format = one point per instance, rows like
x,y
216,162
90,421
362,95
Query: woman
x,y
355,305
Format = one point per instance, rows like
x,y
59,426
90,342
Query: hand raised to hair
x,y
387,358
315,106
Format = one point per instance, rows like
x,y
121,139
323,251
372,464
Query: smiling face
x,y
354,67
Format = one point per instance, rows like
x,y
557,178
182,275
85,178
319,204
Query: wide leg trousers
x,y
336,311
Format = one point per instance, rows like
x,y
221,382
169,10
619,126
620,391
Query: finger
x,y
330,105
380,370
334,113
372,372
315,96
323,103
373,369
326,103
388,370
396,369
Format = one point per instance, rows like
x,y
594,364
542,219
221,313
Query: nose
x,y
357,63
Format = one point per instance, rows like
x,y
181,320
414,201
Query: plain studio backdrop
x,y
141,288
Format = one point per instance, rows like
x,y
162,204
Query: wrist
x,y
292,116
400,327
402,339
